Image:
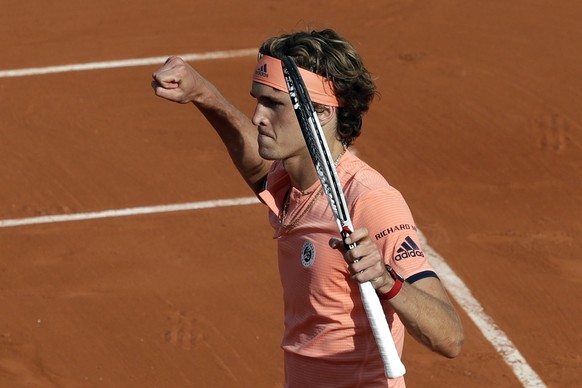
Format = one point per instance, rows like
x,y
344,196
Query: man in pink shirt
x,y
327,340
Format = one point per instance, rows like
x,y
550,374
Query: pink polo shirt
x,y
327,339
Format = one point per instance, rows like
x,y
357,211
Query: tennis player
x,y
327,340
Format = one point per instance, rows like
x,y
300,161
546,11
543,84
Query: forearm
x,y
179,82
237,132
431,320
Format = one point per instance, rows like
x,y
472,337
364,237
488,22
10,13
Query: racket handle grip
x,y
393,366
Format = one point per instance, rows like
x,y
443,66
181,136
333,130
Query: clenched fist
x,y
177,81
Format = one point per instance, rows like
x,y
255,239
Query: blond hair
x,y
333,57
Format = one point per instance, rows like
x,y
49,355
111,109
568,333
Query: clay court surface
x,y
479,126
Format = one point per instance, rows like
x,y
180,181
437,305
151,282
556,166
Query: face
x,y
279,134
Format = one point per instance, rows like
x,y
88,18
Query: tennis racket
x,y
325,167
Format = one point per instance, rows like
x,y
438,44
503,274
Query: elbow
x,y
449,346
454,340
453,350
452,347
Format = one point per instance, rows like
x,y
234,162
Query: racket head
x,y
316,143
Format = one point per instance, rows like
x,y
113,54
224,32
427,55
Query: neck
x,y
302,171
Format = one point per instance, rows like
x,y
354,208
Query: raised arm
x,y
177,81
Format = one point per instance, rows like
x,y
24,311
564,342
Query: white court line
x,y
502,344
126,63
456,287
127,212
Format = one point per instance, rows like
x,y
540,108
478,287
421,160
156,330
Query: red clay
x,y
478,125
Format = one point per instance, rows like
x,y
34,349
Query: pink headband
x,y
270,72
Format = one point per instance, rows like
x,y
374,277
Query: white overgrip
x,y
393,366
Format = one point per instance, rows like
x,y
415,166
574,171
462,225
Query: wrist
x,y
396,286
204,97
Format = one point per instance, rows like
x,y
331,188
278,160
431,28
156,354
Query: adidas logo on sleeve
x,y
408,249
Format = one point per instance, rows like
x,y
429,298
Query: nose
x,y
258,116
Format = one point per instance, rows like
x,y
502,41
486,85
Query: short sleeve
x,y
387,217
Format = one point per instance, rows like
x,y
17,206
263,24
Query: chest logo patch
x,y
307,254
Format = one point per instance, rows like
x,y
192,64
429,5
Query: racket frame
x,y
324,165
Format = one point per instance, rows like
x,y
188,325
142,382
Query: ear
x,y
326,114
